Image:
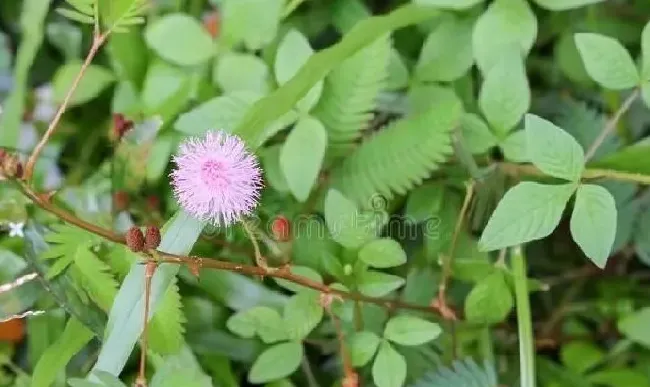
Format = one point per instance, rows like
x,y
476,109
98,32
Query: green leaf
x,y
265,111
389,368
634,158
75,336
260,320
345,222
424,203
166,90
302,155
554,151
561,5
621,377
527,212
302,271
476,133
489,301
464,373
302,314
421,142
180,369
411,330
236,72
607,61
252,22
76,16
593,222
580,356
96,277
449,4
126,315
94,81
383,253
505,94
32,21
447,52
166,329
645,53
276,362
59,266
505,24
223,112
377,284
634,326
119,14
363,346
514,147
359,78
180,39
294,51
645,93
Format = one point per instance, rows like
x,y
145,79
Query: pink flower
x,y
216,179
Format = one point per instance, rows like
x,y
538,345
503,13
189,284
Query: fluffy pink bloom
x,y
216,179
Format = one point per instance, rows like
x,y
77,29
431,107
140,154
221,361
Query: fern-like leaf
x,y
399,157
167,327
350,93
83,11
117,15
465,373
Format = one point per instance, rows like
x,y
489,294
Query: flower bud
x,y
120,200
281,229
10,166
152,238
121,125
135,239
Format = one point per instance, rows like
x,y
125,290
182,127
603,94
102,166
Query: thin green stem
x,y
588,174
524,319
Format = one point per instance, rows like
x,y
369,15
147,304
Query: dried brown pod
x,y
135,239
152,238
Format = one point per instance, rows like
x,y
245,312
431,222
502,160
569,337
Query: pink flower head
x,y
216,179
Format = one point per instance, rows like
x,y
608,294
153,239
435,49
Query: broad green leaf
x,y
237,72
476,133
619,377
554,151
363,346
447,52
568,59
75,336
378,284
514,147
126,315
260,320
94,81
389,368
607,61
398,73
449,4
252,22
383,253
424,203
302,156
294,51
634,158
490,300
580,356
645,53
302,313
126,57
32,20
223,112
302,271
527,212
344,221
505,94
273,106
505,24
561,5
180,39
166,90
593,222
634,326
411,330
276,362
180,369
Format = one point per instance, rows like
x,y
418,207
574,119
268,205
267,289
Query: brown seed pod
x,y
152,238
135,239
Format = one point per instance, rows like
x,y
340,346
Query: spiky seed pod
x,y
135,239
152,238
